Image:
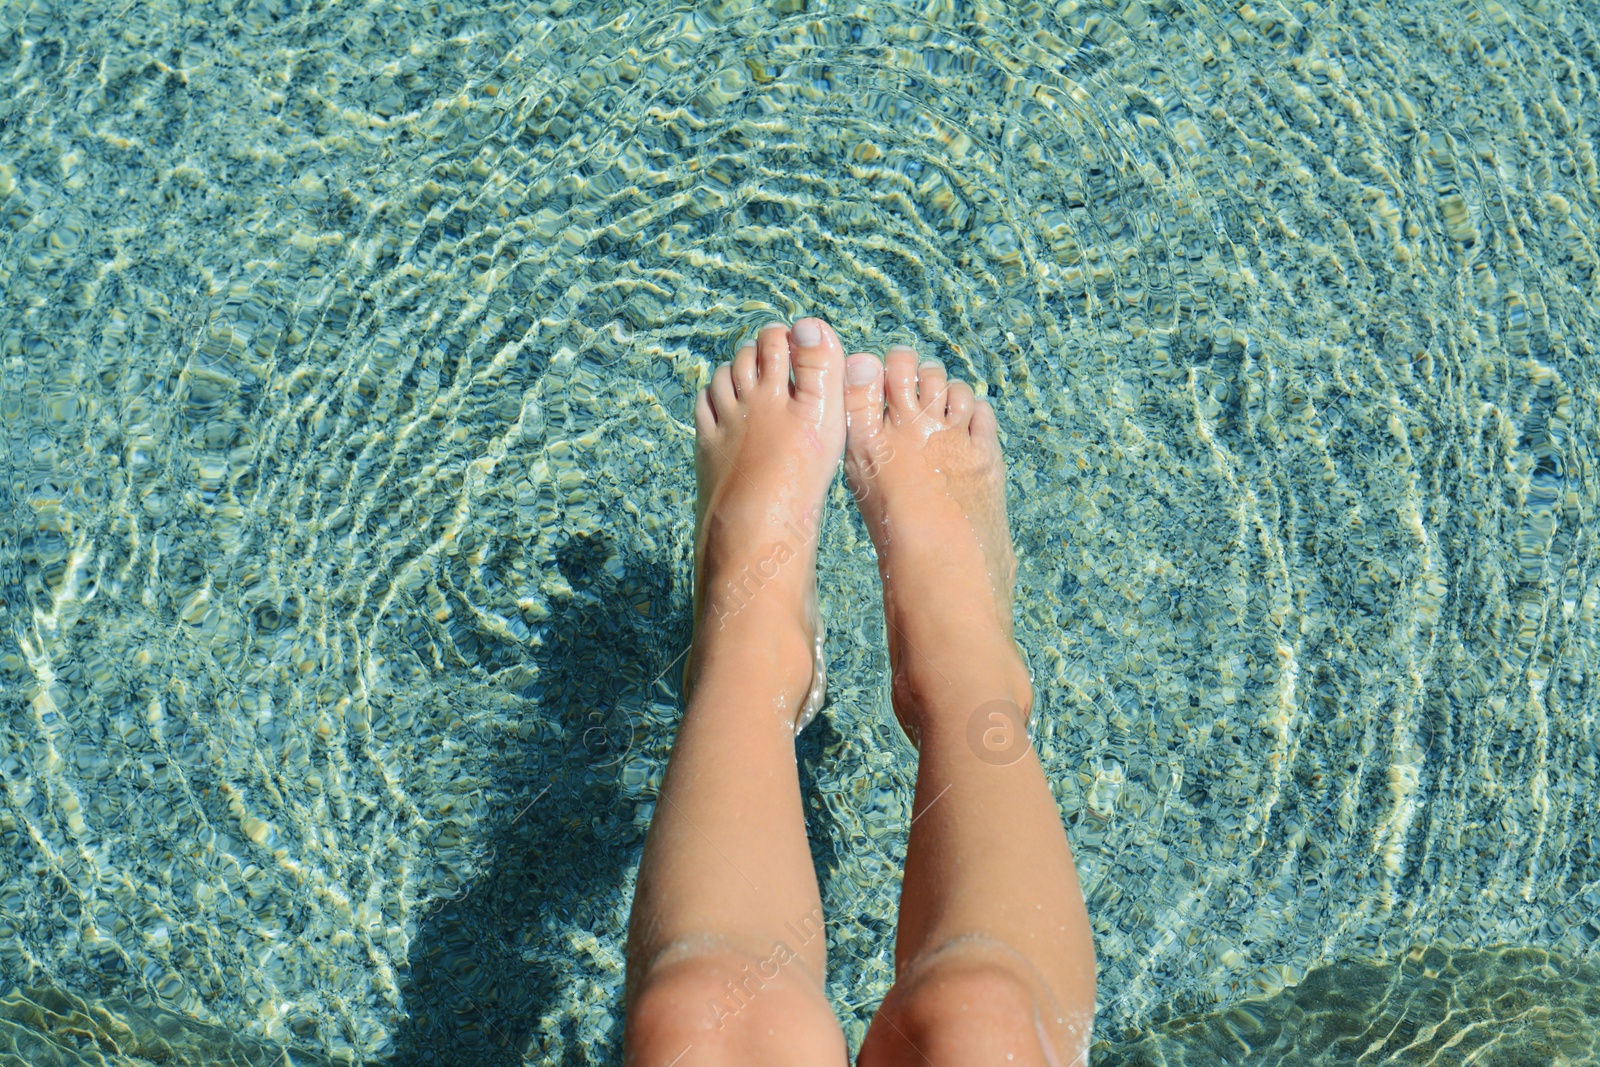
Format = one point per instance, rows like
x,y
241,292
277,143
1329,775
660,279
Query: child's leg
x,y
994,957
725,945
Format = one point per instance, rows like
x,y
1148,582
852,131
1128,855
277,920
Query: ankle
x,y
934,694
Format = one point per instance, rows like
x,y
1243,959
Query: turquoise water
x,y
346,362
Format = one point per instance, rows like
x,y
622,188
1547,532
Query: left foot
x,y
923,459
769,434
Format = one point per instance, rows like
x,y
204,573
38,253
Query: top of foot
x,y
924,462
769,433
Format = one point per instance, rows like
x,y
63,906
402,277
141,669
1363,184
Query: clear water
x,y
346,361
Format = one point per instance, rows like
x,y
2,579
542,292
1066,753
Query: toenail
x,y
784,326
860,370
930,363
807,333
902,348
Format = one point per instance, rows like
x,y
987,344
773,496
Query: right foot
x,y
769,432
923,459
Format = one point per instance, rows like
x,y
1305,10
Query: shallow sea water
x,y
347,353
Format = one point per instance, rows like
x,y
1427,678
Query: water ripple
x,y
346,363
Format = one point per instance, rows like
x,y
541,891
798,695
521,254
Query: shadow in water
x,y
486,966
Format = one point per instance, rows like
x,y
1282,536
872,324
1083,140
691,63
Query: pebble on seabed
x,y
346,372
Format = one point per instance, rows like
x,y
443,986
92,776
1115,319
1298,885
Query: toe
x,y
744,370
772,357
900,381
705,419
958,404
863,399
984,427
722,395
817,360
931,386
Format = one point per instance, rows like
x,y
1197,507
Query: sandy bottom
x,y
346,362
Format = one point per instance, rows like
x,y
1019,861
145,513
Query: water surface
x,y
347,355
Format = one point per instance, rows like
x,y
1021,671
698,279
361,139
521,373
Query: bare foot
x,y
923,459
993,952
769,432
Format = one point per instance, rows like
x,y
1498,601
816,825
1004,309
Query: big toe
x,y
818,360
900,381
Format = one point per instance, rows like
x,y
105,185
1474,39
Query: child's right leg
x,y
994,955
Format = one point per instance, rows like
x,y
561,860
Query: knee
x,y
728,1011
958,1010
978,1002
677,1006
